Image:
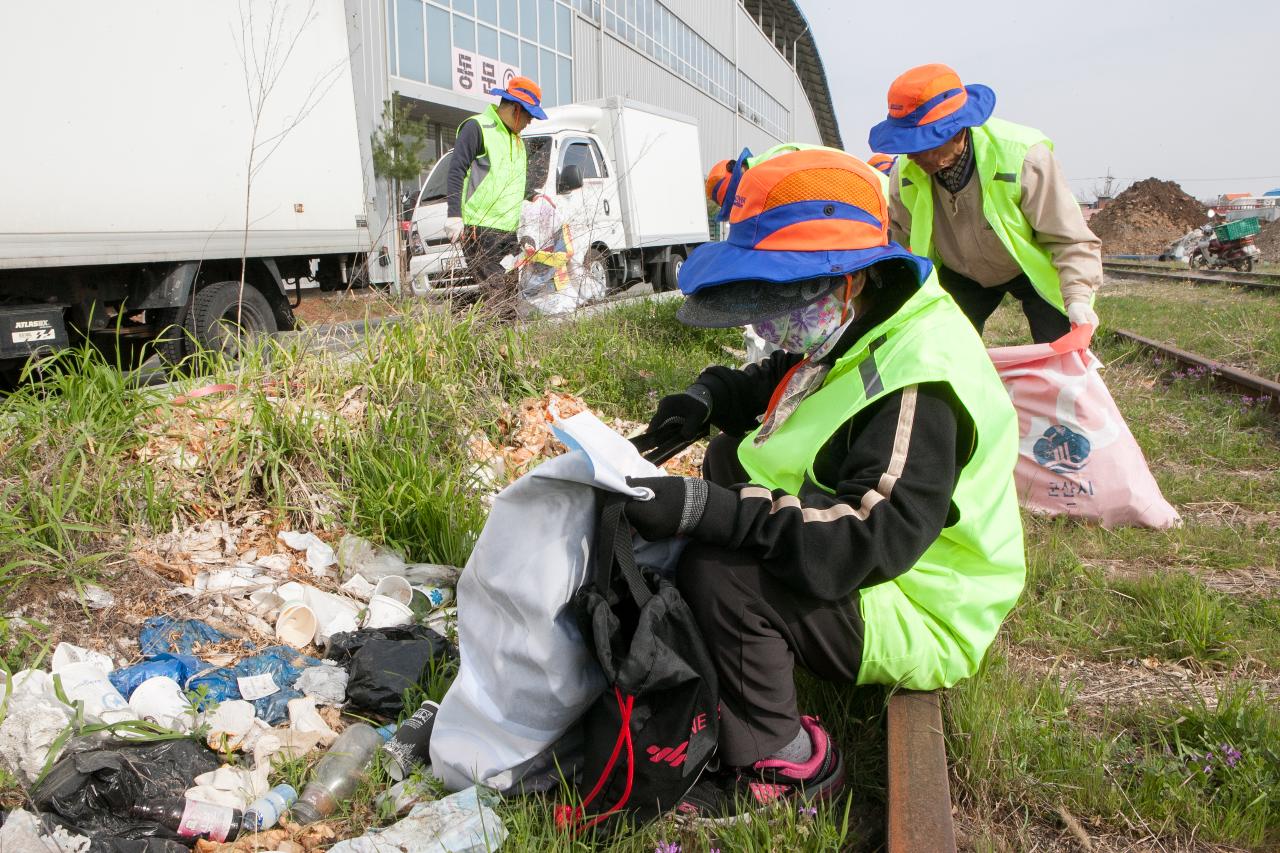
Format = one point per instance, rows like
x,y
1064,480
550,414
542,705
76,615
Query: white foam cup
x,y
160,700
394,586
296,624
88,683
386,612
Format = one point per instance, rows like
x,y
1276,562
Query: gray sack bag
x,y
526,674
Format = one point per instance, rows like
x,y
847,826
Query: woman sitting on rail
x,y
857,514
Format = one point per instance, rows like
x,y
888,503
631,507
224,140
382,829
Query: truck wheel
x,y
213,318
170,342
671,272
595,269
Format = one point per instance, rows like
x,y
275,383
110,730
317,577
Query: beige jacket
x,y
965,242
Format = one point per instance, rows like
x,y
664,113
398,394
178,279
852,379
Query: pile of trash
x,y
1146,217
1268,242
181,744
526,440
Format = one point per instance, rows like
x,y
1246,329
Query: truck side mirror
x,y
570,179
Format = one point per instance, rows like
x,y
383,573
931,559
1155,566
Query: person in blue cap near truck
x,y
857,513
986,200
488,183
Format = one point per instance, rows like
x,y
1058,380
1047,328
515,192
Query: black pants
x,y
757,629
484,249
978,303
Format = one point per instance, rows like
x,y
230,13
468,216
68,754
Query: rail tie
x,y
1248,280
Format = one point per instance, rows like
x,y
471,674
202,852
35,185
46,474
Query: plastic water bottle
x,y
337,774
266,810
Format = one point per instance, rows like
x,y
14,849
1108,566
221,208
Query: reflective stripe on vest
x,y
930,626
494,187
999,149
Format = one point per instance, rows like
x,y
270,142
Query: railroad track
x,y
1241,381
1232,278
919,809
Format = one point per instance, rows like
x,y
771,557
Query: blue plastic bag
x,y
282,663
177,667
161,634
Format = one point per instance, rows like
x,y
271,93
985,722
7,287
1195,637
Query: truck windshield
x,y
436,187
538,150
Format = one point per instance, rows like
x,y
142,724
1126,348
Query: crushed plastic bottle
x,y
337,773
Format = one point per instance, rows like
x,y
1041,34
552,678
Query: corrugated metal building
x,y
747,70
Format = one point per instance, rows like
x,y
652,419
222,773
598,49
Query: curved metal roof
x,y
783,21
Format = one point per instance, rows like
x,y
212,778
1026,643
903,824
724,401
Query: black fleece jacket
x,y
892,468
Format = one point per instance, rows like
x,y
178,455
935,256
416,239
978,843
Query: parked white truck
x,y
125,168
627,178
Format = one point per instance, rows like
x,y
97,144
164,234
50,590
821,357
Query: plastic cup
x,y
296,624
386,612
160,700
88,683
394,586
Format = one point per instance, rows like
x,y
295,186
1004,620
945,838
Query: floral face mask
x,y
811,329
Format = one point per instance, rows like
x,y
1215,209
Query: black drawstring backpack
x,y
655,728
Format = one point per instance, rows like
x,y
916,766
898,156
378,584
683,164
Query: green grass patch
x,y
1227,324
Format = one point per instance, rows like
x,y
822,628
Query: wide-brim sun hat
x,y
524,92
927,106
800,222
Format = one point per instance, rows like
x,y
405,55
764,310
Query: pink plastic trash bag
x,y
1076,455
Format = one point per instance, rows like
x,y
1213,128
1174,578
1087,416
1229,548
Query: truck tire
x,y
213,316
670,272
595,268
170,342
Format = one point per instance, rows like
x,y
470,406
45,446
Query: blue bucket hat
x,y
927,106
795,219
524,92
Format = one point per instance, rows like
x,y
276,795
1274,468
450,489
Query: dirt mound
x,y
1145,218
1268,241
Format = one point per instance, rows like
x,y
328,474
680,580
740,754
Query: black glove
x,y
692,410
676,507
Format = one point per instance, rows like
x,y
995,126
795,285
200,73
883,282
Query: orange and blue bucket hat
x,y
524,92
927,106
882,163
799,222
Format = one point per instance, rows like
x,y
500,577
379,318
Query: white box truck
x,y
627,178
125,167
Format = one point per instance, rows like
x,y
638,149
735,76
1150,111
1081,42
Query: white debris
x,y
65,654
230,725
305,719
459,823
320,556
22,831
28,731
327,683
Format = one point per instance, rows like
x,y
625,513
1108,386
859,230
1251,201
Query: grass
x,y
374,442
1231,325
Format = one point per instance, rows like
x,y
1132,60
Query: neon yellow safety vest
x,y
495,184
930,626
999,149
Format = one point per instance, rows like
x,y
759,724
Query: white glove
x,y
1080,314
453,228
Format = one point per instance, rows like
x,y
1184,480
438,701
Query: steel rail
x,y
1223,374
1250,280
919,810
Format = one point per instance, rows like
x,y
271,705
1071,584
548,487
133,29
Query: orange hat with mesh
x,y
927,106
800,221
882,163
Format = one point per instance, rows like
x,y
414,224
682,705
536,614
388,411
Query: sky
x,y
1174,89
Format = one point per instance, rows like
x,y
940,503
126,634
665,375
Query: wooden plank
x,y
919,816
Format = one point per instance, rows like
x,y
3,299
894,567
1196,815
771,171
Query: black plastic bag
x,y
384,662
89,791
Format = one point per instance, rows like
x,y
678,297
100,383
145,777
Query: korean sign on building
x,y
474,74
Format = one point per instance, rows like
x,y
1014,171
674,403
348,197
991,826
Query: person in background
x,y
488,182
986,200
857,513
882,163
